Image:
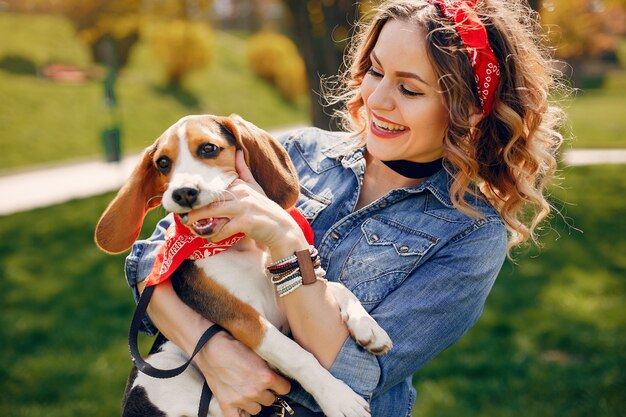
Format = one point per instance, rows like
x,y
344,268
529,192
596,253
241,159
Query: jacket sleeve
x,y
140,261
437,303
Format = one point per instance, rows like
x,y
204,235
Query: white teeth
x,y
388,126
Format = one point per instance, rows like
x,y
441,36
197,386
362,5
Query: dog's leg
x,y
363,328
334,397
217,304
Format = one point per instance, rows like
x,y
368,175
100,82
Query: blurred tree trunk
x,y
535,4
322,28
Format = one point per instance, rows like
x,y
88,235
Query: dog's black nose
x,y
185,196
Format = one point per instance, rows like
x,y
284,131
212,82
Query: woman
x,y
450,139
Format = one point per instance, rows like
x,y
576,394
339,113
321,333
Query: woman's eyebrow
x,y
402,74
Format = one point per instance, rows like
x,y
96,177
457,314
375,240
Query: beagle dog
x,y
190,165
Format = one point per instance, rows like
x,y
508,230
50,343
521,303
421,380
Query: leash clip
x,y
284,406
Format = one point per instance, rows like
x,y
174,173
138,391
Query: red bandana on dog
x,y
181,244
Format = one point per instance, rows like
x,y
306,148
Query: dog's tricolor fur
x,y
189,166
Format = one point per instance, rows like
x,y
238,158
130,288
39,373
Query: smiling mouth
x,y
388,127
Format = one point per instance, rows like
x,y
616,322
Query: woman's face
x,y
406,115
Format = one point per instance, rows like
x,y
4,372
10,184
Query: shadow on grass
x,y
17,64
180,94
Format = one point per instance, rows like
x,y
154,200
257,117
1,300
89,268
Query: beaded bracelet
x,y
290,262
301,268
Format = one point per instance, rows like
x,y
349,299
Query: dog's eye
x,y
208,150
164,164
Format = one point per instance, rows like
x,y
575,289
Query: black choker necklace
x,y
415,170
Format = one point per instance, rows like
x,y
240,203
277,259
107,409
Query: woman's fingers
x,y
280,385
238,377
245,174
242,169
231,411
267,398
239,197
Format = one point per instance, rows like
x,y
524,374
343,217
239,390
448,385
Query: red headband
x,y
474,36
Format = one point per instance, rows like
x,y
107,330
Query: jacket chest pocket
x,y
310,204
384,255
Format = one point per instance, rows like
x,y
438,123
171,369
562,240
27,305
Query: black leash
x,y
280,406
146,368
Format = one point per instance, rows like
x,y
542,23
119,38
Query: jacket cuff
x,y
355,366
139,264
358,368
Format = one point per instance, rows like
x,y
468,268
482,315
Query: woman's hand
x,y
238,377
311,310
251,212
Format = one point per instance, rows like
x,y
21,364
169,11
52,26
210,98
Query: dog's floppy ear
x,y
121,222
267,159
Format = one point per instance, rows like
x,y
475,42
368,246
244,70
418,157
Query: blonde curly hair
x,y
510,155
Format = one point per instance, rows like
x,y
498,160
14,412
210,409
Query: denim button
x,y
404,249
382,204
334,236
374,238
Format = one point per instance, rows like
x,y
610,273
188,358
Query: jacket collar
x,y
350,155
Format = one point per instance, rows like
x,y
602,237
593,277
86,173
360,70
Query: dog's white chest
x,y
243,274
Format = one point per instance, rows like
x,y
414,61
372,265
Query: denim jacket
x,y
419,266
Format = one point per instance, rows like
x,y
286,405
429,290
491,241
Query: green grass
x,y
551,342
552,339
43,121
65,314
597,117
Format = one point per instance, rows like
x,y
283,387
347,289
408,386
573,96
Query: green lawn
x,y
551,342
43,121
596,117
552,339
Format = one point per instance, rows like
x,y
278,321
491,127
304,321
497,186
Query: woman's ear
x,y
475,117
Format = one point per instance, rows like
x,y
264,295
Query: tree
x,y
322,28
182,47
535,4
584,29
112,27
109,27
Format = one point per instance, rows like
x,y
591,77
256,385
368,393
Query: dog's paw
x,y
367,333
339,400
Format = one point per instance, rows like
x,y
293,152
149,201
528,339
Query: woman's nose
x,y
381,98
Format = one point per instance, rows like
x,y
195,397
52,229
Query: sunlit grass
x,y
552,340
65,314
597,117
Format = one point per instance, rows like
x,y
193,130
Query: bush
x,y
182,47
275,58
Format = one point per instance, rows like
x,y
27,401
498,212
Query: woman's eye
x,y
374,73
164,164
408,92
208,150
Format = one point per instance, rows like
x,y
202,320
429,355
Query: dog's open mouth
x,y
206,227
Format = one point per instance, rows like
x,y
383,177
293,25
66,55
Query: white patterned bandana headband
x,y
474,36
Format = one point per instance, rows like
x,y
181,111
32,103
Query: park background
x,y
80,78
